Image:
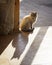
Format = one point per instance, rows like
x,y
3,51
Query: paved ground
x,y
34,46
43,7
19,42
44,53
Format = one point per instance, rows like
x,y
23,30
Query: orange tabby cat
x,y
27,21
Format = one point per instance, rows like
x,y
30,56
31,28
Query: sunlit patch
x,y
44,54
9,51
5,57
6,61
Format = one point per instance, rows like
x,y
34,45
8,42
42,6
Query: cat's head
x,y
33,14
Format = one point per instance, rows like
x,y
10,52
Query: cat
x,y
27,21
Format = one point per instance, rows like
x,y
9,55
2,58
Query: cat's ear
x,y
33,14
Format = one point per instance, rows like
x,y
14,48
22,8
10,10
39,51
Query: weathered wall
x,y
16,15
9,16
